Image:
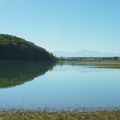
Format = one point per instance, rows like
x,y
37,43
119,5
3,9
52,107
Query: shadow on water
x,y
17,73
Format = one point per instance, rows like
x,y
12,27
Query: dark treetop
x,y
15,48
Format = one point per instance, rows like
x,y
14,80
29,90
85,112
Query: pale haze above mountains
x,y
84,53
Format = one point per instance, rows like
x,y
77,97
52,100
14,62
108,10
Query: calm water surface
x,y
34,86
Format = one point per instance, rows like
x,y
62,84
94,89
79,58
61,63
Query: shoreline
x,y
74,115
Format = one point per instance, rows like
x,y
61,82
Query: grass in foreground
x,y
100,115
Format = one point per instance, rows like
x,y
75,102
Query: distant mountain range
x,y
84,53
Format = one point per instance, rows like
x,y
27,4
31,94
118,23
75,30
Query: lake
x,y
66,85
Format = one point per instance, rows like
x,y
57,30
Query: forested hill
x,y
15,48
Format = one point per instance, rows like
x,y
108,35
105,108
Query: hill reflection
x,y
17,73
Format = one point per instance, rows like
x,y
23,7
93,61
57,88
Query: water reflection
x,y
16,73
67,86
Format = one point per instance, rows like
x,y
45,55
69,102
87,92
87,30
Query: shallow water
x,y
63,86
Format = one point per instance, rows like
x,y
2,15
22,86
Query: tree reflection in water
x,y
17,73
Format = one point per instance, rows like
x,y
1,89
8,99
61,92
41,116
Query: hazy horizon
x,y
85,53
64,25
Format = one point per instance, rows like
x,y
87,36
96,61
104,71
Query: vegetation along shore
x,y
98,115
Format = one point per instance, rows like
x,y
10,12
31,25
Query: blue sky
x,y
64,25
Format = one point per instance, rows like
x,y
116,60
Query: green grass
x,y
100,115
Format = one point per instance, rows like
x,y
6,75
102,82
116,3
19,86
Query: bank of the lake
x,y
97,115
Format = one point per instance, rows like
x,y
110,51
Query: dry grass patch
x,y
100,115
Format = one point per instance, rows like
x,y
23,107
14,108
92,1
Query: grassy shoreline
x,y
74,115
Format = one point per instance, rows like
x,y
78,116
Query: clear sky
x,y
64,25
